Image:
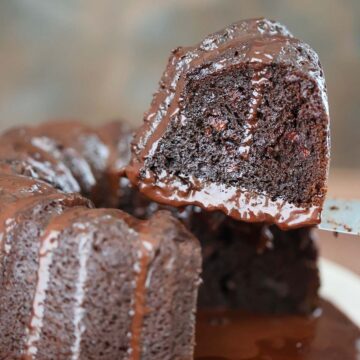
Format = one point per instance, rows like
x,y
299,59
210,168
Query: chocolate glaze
x,y
259,42
239,204
13,187
231,335
150,249
49,242
117,135
17,193
21,201
148,235
76,218
148,244
9,211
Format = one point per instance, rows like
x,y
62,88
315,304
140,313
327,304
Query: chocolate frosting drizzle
x,y
149,243
78,218
257,41
141,268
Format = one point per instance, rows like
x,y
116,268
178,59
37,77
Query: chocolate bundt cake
x,y
84,283
239,124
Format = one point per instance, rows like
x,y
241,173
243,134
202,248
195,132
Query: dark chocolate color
x,y
83,283
248,266
27,206
109,268
256,267
240,124
71,156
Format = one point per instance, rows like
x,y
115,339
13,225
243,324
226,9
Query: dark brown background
x,y
97,60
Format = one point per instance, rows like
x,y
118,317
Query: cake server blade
x,y
342,216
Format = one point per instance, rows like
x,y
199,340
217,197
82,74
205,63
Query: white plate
x,y
342,288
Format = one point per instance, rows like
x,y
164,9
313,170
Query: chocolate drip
x,y
46,252
149,243
79,218
141,268
237,203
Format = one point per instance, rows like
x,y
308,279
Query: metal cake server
x,y
341,216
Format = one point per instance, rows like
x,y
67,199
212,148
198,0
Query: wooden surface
x,y
344,250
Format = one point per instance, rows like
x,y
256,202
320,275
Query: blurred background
x,y
98,60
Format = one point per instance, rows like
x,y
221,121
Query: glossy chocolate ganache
x,y
240,124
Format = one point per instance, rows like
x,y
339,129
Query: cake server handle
x,y
342,216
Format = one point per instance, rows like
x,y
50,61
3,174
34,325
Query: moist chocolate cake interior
x,y
214,139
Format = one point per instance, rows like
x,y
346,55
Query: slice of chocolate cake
x,y
240,124
101,285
